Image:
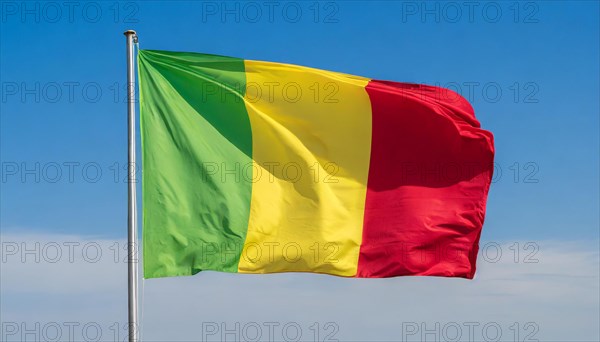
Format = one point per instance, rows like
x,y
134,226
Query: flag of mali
x,y
260,167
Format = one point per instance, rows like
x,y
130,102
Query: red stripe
x,y
429,175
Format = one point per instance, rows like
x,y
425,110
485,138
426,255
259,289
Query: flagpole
x,y
132,266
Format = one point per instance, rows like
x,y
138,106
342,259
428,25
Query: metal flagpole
x,y
132,266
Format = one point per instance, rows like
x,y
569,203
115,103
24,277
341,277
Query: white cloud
x,y
553,299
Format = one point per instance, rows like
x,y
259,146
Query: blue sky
x,y
530,69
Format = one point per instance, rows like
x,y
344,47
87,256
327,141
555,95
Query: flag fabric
x,y
260,167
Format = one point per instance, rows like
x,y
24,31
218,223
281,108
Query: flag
x,y
260,167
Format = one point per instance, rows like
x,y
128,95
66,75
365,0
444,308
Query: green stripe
x,y
194,127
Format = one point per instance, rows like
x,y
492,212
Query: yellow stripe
x,y
311,142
